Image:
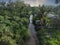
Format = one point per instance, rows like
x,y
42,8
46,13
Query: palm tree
x,y
40,19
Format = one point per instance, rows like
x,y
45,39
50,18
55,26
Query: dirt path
x,y
33,38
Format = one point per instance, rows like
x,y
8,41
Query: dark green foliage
x,y
14,22
47,35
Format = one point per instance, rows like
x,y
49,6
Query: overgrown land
x,y
14,22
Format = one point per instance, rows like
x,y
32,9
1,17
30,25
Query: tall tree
x,y
57,1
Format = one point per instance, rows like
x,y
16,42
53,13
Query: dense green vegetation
x,y
48,28
14,22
